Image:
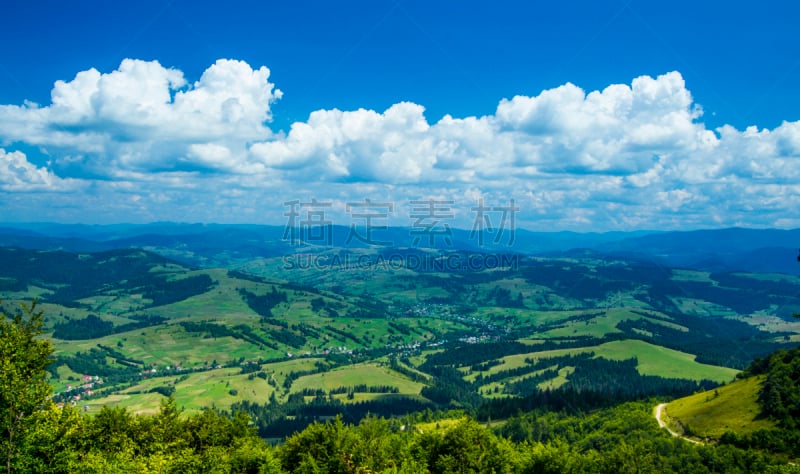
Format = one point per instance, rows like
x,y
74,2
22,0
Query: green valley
x,y
141,327
540,338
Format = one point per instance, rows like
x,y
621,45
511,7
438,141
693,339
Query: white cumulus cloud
x,y
144,116
627,156
18,174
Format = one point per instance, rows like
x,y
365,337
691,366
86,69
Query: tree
x,y
24,388
321,447
467,447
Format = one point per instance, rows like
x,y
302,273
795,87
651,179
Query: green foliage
x,y
317,304
92,327
621,439
624,438
263,304
114,441
95,362
168,291
276,420
780,392
287,337
166,390
467,447
50,443
318,448
725,351
24,389
89,327
502,297
214,330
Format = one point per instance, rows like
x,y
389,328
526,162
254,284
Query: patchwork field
x,y
149,326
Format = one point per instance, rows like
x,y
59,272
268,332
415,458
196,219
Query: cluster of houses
x,y
153,371
477,339
74,394
330,350
429,309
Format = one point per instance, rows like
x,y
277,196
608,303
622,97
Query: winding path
x,y
657,413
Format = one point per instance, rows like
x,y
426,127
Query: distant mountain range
x,y
207,245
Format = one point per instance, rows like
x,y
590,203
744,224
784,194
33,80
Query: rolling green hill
x,y
709,415
759,410
131,327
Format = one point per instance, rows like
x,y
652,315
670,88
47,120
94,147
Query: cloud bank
x,y
144,141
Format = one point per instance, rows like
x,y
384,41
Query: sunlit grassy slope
x,y
730,408
653,360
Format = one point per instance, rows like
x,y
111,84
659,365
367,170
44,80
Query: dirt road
x,y
657,413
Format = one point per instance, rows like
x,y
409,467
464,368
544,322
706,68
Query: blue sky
x,y
613,115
